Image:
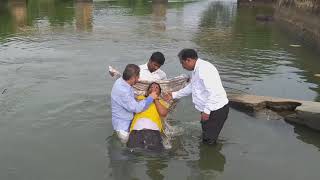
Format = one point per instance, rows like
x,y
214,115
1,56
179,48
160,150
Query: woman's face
x,y
154,87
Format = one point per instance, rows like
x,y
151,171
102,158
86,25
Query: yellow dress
x,y
150,113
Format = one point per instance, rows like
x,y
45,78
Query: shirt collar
x,y
196,66
125,83
145,66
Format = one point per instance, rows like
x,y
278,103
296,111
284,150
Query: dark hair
x,y
130,71
156,84
157,57
187,53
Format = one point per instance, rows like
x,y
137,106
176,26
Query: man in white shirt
x,y
208,94
151,71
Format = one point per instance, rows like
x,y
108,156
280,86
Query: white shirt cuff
x,y
174,95
207,111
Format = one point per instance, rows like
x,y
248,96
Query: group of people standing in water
x,y
138,120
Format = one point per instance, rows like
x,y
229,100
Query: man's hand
x,y
111,73
154,95
167,96
204,116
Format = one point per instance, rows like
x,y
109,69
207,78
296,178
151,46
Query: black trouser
x,y
211,128
146,139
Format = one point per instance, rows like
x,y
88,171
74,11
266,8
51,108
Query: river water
x,y
55,118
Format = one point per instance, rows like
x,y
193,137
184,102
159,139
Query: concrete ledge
x,y
303,112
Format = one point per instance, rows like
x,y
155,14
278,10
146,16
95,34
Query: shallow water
x,y
55,118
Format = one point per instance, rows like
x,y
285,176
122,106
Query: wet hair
x,y
130,71
157,57
187,53
152,84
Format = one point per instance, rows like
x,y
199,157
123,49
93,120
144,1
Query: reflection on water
x,y
210,164
308,136
230,34
84,10
36,14
252,55
53,86
159,11
126,164
58,12
119,159
203,161
154,168
18,9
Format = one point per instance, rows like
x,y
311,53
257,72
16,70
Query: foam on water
x,y
170,132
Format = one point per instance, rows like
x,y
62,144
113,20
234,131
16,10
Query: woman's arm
x,y
162,110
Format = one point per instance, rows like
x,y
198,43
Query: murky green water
x,y
55,118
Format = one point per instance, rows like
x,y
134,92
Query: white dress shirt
x,y
146,75
206,88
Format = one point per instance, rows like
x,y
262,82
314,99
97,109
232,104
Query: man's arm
x,y
132,105
114,73
168,96
163,76
186,91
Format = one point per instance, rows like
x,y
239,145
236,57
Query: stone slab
x,y
303,112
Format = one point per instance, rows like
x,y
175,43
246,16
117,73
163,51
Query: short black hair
x,y
130,71
187,53
157,57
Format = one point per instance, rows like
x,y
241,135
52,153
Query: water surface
x,y
55,118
